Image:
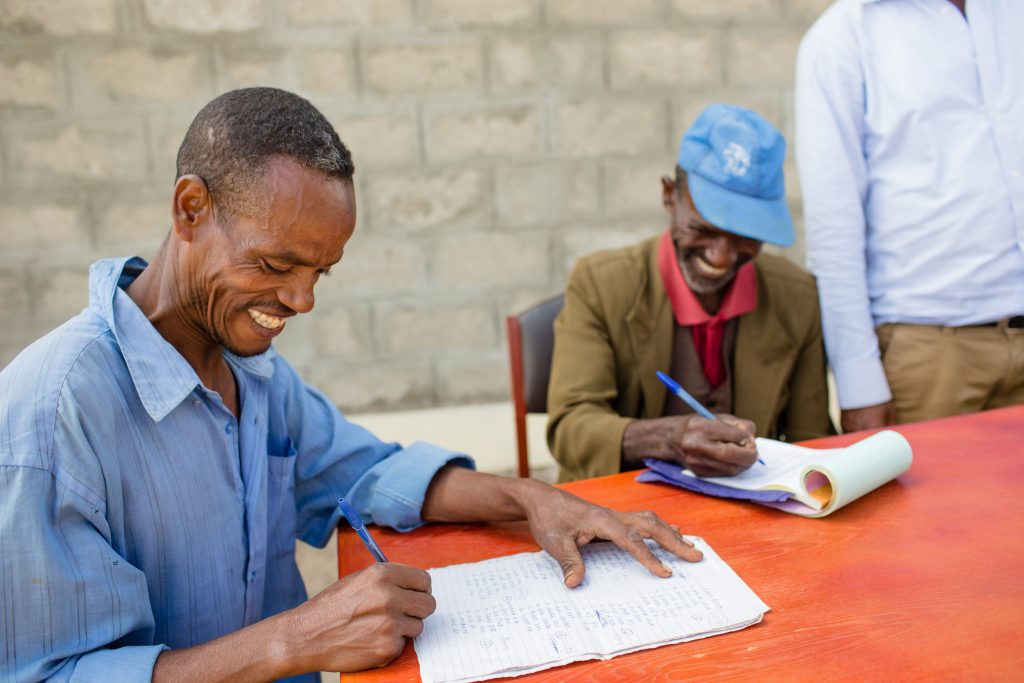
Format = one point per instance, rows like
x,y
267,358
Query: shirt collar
x,y
162,377
739,299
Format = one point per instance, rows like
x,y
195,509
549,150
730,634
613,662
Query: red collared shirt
x,y
708,330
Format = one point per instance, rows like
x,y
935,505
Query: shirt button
x,y
227,428
196,402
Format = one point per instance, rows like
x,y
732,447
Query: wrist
x,y
522,493
284,653
649,439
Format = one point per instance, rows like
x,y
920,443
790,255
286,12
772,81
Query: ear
x,y
192,208
669,195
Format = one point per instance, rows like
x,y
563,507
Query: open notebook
x,y
513,615
804,481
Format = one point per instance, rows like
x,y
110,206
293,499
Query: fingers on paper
x,y
567,554
650,525
631,540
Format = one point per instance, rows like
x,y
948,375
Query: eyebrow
x,y
296,260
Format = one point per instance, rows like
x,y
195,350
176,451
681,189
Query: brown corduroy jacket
x,y
616,330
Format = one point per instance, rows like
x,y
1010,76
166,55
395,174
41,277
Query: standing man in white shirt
x,y
910,148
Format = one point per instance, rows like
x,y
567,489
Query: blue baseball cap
x,y
733,161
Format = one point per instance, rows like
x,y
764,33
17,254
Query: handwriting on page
x,y
513,615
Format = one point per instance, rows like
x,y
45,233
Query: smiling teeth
x,y
264,320
710,269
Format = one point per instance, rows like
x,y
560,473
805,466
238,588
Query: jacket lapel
x,y
650,329
764,355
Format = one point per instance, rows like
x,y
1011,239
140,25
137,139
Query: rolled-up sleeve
x,y
72,608
386,482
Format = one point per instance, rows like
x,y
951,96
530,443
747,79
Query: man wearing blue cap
x,y
739,330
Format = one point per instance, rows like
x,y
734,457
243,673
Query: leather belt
x,y
1016,322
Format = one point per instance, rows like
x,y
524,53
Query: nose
x,y
721,252
298,295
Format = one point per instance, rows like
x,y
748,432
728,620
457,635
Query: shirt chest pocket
x,y
281,512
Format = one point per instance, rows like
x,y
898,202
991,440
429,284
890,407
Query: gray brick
x,y
760,57
428,326
596,127
372,387
726,10
481,12
341,332
461,134
28,82
349,12
248,68
56,18
379,139
527,195
165,136
634,187
135,226
604,13
60,292
435,200
580,241
474,379
41,226
807,9
374,267
489,259
139,75
14,292
566,61
328,71
764,102
422,66
664,57
205,16
100,151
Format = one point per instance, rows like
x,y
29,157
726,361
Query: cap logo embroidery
x,y
737,159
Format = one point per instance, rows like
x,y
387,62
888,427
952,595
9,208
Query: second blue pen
x,y
689,400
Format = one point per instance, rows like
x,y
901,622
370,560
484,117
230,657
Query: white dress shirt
x,y
910,149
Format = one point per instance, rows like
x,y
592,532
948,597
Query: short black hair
x,y
233,137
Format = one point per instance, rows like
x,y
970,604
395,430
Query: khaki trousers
x,y
937,371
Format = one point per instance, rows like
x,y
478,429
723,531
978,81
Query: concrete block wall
x,y
495,141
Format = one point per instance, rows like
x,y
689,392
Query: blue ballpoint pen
x,y
674,387
357,525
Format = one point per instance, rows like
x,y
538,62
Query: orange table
x,y
922,579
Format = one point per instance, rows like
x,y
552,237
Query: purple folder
x,y
672,473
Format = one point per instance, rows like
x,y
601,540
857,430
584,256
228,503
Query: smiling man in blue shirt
x,y
158,459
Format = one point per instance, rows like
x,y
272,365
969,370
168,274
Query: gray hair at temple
x,y
233,137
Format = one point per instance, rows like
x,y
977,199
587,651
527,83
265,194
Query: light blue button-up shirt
x,y
910,147
136,512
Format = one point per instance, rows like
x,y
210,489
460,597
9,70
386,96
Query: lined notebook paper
x,y
513,615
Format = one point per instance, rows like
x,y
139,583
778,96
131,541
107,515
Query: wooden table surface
x,y
922,579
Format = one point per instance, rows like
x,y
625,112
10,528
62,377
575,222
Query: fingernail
x,y
569,576
666,567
